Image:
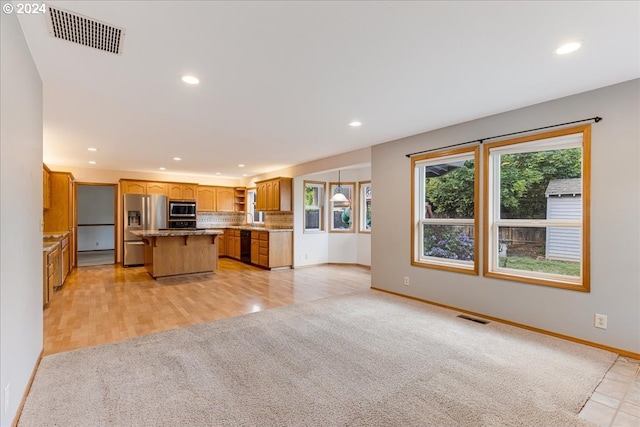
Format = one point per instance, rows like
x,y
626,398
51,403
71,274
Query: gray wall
x,y
96,206
21,242
615,224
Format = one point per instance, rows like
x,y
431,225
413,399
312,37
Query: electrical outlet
x,y
6,398
406,280
600,321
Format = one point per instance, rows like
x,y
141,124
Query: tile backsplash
x,y
223,219
278,219
219,219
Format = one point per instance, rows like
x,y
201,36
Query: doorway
x,y
96,224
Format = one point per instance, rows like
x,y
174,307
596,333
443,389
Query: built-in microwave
x,y
182,209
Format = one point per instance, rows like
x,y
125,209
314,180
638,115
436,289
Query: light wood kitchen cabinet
x,y
274,194
66,259
261,196
235,246
206,198
50,273
61,216
216,199
182,191
225,199
133,187
173,190
255,247
232,243
157,188
222,244
46,188
240,195
272,250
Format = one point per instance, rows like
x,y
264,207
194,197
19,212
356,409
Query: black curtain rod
x,y
481,140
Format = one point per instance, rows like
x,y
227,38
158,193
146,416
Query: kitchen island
x,y
173,252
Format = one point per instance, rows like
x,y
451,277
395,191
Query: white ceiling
x,y
280,81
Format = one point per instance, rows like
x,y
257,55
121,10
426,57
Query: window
x,y
537,209
365,207
256,216
313,206
342,214
444,217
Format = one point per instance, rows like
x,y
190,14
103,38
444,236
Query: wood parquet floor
x,y
109,303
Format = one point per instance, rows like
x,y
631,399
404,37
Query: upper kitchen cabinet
x,y
274,194
157,188
206,198
225,199
133,187
182,191
240,194
215,199
46,187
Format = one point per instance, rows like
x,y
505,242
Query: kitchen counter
x,y
177,232
51,240
175,252
251,228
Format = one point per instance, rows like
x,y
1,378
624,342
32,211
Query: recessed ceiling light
x,y
240,165
177,159
355,124
244,174
91,162
218,173
191,80
92,149
568,48
163,169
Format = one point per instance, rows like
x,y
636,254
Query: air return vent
x,y
76,28
473,319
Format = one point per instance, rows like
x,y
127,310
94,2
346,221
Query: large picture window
x,y
537,209
342,213
365,207
313,206
444,215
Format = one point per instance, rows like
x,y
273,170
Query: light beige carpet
x,y
364,359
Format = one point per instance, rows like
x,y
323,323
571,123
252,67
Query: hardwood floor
x,y
108,303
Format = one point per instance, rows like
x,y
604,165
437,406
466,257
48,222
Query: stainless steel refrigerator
x,y
141,212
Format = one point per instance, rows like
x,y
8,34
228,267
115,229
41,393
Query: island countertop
x,y
179,251
177,232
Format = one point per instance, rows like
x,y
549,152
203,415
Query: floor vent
x,y
473,319
76,28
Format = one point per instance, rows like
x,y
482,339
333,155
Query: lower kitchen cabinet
x,y
222,244
274,249
66,259
232,243
50,273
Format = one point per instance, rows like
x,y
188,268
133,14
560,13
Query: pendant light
x,y
339,197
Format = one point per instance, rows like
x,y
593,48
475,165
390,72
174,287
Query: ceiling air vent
x,y
80,29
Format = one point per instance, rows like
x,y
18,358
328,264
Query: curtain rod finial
x,y
597,119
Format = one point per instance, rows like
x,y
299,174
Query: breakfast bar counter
x,y
173,252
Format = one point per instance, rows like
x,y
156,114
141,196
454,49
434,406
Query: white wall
x,y
615,224
96,206
21,318
325,247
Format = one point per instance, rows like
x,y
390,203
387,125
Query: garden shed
x,y
564,201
